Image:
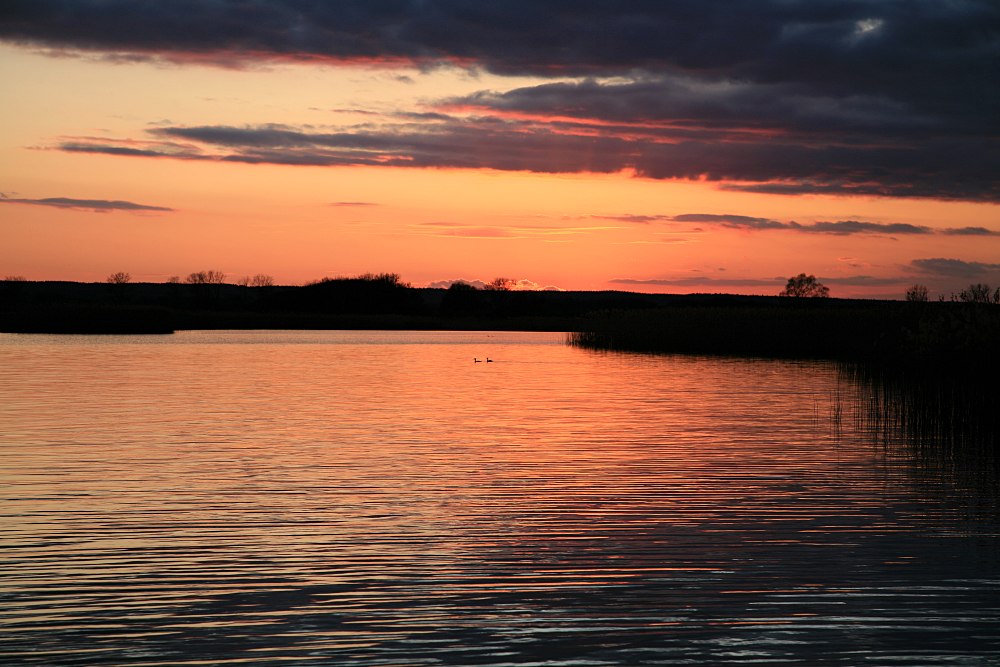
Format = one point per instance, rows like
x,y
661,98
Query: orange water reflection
x,y
367,497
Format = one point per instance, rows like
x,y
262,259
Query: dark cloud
x,y
955,268
109,149
846,44
980,188
944,169
845,227
840,227
970,231
97,205
843,97
737,108
456,143
495,143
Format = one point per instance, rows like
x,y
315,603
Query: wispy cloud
x,y
865,280
478,232
634,219
729,220
699,281
96,205
449,228
710,282
838,227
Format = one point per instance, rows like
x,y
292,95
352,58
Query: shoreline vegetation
x,y
928,333
927,373
930,369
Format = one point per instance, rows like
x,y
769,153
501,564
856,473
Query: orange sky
x,y
430,224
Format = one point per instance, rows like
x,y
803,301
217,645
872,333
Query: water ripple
x,y
374,498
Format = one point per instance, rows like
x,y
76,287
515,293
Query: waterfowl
x,y
478,361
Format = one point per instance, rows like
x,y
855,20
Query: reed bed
x,y
927,375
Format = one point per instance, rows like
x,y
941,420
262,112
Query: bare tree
x,y
391,279
805,286
206,278
979,293
500,285
917,292
14,279
383,279
261,280
119,278
173,280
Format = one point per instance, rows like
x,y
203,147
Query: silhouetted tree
x,y
386,279
500,285
262,280
917,293
979,293
206,278
461,298
805,286
259,280
174,280
365,293
119,278
14,279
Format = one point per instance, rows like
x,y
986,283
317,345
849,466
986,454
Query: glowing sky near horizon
x,y
447,141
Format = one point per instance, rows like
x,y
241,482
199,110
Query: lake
x,y
378,498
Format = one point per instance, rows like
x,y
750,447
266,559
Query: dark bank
x,y
781,327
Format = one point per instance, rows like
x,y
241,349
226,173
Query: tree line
x,y
800,286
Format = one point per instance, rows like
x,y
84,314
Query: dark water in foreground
x,y
368,498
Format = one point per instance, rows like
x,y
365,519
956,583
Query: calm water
x,y
376,498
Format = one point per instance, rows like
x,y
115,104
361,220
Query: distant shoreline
x,y
846,329
73,307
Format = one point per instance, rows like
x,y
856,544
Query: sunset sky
x,y
684,146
